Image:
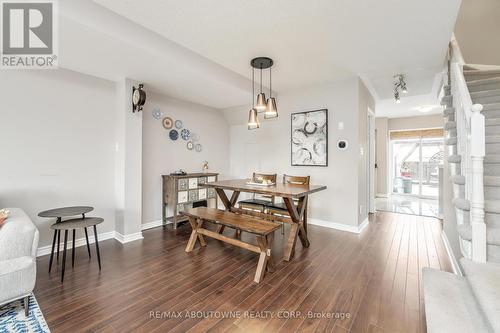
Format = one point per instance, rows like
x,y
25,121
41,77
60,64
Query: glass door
x,y
415,166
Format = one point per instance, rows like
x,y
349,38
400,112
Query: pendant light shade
x,y
253,120
271,109
261,102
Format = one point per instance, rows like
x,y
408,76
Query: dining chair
x,y
279,208
259,201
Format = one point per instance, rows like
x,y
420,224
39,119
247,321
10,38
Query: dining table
x,y
295,198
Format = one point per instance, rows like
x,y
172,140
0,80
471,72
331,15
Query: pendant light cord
x,y
253,87
270,83
261,78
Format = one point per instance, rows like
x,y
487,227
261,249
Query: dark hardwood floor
x,y
375,277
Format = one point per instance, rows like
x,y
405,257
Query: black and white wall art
x,y
310,138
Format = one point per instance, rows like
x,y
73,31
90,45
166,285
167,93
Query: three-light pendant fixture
x,y
268,107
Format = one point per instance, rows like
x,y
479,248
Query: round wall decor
x,y
157,114
173,134
194,136
190,145
167,122
185,134
198,147
178,124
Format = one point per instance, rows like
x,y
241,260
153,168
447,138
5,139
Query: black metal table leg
x,y
58,242
97,247
73,250
52,251
87,238
64,254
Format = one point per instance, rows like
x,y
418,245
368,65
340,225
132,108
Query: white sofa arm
x,y
18,236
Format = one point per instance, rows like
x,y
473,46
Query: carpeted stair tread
x,y
492,121
450,305
450,125
491,106
492,159
458,179
462,204
491,180
492,234
484,281
449,111
484,84
454,159
492,139
492,206
451,141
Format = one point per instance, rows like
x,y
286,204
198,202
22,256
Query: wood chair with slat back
x,y
280,208
259,201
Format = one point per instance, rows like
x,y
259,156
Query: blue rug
x,y
12,318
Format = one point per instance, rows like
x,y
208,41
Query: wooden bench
x,y
263,230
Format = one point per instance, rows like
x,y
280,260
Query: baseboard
x,y
44,250
154,224
453,259
339,226
128,238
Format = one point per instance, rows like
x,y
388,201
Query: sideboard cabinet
x,y
183,191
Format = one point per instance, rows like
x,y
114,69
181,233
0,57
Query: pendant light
x,y
253,120
271,109
268,107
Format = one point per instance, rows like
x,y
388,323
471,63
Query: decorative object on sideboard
x,y
4,214
198,147
173,134
268,107
190,145
179,172
309,131
167,122
157,114
185,134
138,98
205,166
178,124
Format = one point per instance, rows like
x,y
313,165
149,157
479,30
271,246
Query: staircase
x,y
484,89
470,303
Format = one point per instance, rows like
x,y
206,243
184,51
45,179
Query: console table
x,y
182,191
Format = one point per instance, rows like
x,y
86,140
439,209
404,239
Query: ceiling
x,y
200,50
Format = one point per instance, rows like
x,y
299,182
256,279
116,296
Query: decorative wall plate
x,y
173,134
190,145
157,114
198,147
185,134
194,136
178,124
167,122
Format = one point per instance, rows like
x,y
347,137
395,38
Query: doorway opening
x,y
415,172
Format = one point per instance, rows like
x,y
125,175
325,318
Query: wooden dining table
x,y
289,192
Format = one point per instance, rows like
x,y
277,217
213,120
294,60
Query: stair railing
x,y
470,128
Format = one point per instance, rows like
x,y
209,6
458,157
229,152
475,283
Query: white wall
x,y
57,144
420,122
268,149
162,156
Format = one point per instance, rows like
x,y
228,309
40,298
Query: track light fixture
x,y
399,86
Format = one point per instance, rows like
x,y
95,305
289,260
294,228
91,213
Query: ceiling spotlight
x,y
399,86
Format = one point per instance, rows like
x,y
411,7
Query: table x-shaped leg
x,y
298,227
228,203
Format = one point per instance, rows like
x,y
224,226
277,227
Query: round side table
x,y
74,224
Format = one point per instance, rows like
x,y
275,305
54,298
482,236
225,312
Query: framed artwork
x,y
309,138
